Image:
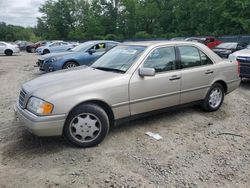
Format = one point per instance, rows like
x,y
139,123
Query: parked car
x,y
84,54
57,46
243,57
8,49
130,80
177,39
212,42
225,49
196,39
22,44
32,47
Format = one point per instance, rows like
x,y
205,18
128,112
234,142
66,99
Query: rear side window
x,y
205,60
161,59
192,57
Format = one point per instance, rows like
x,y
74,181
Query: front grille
x,y
243,59
22,97
40,63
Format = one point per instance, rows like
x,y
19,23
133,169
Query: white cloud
x,y
20,12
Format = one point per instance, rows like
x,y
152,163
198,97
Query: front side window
x,y
100,47
161,59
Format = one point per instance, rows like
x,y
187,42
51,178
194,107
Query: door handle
x,y
209,72
174,77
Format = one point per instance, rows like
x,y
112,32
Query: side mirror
x,y
91,51
146,71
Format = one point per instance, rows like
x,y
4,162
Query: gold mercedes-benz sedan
x,y
131,80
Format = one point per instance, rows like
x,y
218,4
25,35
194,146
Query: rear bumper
x,y
41,125
232,85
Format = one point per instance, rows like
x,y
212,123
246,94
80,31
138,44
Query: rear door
x,y
197,73
159,91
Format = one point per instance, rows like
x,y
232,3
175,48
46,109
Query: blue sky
x,y
20,12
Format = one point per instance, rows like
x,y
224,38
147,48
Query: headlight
x,y
39,106
232,57
53,59
227,52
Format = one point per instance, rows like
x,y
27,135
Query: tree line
x,y
123,19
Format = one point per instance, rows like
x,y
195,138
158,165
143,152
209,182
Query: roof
x,y
157,43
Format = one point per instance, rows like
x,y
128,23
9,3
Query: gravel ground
x,y
198,149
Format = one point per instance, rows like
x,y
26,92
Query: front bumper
x,y
40,125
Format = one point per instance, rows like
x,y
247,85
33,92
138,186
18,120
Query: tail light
x,y
238,67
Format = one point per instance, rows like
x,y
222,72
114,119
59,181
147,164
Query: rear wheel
x,y
32,50
86,126
70,64
8,52
214,98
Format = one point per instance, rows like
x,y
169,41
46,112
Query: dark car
x,y
243,57
225,49
22,44
32,47
84,54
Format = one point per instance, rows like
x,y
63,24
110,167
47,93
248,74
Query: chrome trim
x,y
120,104
194,89
231,81
154,97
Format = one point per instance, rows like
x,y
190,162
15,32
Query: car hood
x,y
51,55
245,53
51,84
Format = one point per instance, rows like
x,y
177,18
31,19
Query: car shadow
x,y
3,55
20,142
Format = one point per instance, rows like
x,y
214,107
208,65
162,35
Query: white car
x,y
243,57
8,49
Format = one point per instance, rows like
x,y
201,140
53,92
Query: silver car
x,y
131,80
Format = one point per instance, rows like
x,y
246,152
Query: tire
x,y
46,51
8,52
32,50
214,98
70,64
86,126
28,49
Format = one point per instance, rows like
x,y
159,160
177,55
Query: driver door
x,y
159,91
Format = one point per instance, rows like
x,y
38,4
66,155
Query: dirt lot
x,y
195,151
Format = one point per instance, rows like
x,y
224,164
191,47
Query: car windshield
x,y
228,45
119,59
82,47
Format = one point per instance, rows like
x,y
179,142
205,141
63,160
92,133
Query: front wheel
x,y
214,98
86,126
46,51
69,65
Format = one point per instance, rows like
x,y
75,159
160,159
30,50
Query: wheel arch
x,y
70,60
8,49
46,49
106,107
223,83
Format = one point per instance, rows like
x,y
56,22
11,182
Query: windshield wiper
x,y
109,69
